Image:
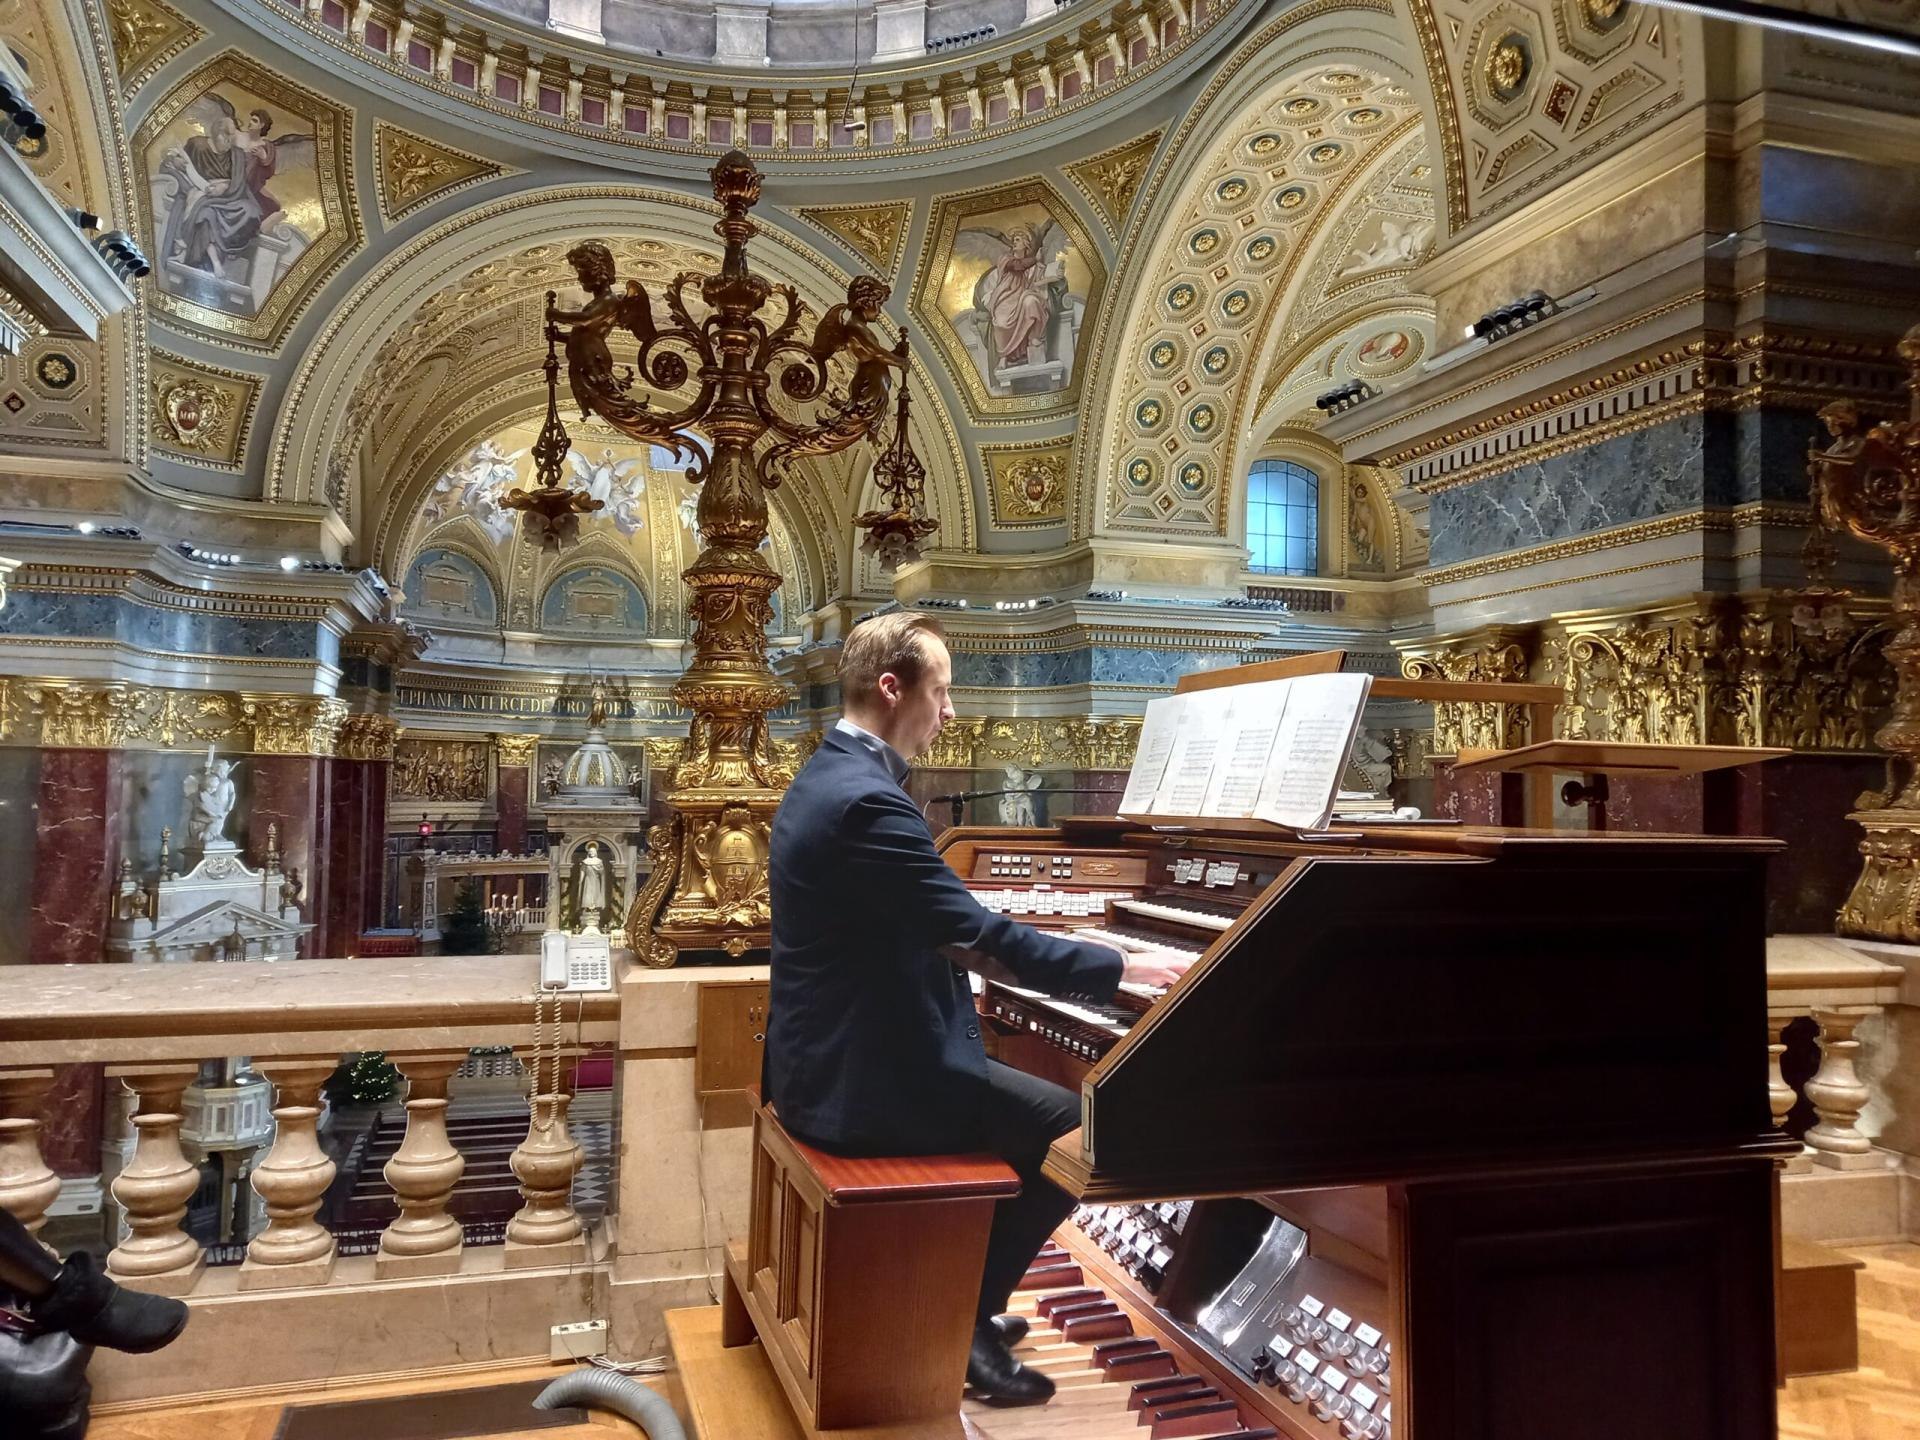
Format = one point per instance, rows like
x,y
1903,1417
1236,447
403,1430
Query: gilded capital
x,y
515,749
367,737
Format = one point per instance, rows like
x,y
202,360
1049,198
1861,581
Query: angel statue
x,y
210,796
1024,322
221,221
1016,809
617,484
849,327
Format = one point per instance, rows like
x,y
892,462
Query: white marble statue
x,y
592,888
210,797
1017,809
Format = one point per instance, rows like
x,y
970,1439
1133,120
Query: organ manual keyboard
x,y
1451,1133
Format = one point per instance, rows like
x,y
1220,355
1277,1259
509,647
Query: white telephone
x,y
575,962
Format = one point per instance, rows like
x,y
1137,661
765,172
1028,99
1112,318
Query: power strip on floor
x,y
580,1340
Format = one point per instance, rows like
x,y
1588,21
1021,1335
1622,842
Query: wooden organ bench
x,y
860,1276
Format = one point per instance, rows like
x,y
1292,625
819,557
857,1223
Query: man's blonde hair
x,y
895,642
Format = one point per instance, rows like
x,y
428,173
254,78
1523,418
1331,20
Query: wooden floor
x,y
1880,1400
257,1419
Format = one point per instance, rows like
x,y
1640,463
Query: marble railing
x,y
152,1025
1823,978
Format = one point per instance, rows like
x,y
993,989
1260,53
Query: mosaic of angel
x,y
1025,301
474,487
234,197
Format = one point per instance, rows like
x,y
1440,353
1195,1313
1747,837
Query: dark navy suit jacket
x,y
872,1040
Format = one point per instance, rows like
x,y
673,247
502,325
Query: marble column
x,y
290,791
513,788
76,849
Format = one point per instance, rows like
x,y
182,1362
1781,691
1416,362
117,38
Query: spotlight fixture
x,y
208,557
86,527
1504,320
18,120
289,562
1346,397
963,37
116,247
82,219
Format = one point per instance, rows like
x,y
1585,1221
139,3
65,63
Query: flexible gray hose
x,y
598,1389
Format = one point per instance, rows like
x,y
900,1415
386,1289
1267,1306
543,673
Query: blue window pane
x,y
1282,518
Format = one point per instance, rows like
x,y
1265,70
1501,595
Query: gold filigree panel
x,y
1028,484
1113,177
450,770
876,233
411,172
53,394
112,715
199,413
146,35
1009,285
1725,670
1034,742
249,179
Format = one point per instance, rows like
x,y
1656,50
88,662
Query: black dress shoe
x,y
995,1375
1012,1328
95,1311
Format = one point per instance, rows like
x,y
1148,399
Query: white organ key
x,y
1204,919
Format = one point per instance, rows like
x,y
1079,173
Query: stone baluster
x,y
1838,1094
294,1249
156,1185
425,1240
1780,1096
546,1230
27,1186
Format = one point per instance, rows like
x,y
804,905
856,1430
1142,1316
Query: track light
x,y
1503,320
1346,397
964,37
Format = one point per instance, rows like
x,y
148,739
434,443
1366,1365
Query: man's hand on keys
x,y
1156,968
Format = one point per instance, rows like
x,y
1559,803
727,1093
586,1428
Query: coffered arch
x,y
491,266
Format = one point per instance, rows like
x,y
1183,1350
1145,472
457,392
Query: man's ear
x,y
888,685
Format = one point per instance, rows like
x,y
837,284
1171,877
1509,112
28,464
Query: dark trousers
x,y
1022,1116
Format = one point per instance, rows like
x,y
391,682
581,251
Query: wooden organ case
x,y
1451,1133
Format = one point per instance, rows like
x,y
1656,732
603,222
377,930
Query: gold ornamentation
x,y
203,411
515,749
367,737
1113,177
1506,67
414,171
876,233
1034,742
194,414
294,725
1494,654
1027,484
453,770
146,34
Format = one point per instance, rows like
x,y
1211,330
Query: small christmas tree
x,y
465,932
370,1079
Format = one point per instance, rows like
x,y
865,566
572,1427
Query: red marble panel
x,y
510,805
77,852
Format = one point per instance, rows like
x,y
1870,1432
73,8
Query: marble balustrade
x,y
150,1026
1838,987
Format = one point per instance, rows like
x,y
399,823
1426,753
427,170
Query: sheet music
x,y
1311,749
1157,733
1240,767
1183,789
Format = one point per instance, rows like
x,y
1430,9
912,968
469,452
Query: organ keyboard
x,y
1461,1125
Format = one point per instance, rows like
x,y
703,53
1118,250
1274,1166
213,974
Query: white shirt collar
x,y
889,757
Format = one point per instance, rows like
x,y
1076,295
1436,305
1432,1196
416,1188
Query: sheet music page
x,y
1311,750
1183,789
1157,733
1246,748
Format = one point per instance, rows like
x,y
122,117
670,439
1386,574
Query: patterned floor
x,y
1880,1400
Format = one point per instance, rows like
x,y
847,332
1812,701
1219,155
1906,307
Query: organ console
x,y
1450,1133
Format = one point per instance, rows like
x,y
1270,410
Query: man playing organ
x,y
873,1044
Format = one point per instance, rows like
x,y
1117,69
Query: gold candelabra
x,y
1867,481
708,886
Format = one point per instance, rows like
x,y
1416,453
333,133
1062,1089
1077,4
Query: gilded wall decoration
x,y
1034,742
1366,533
876,233
1008,286
199,412
67,158
368,737
146,35
1112,178
411,171
1722,670
113,715
52,394
250,181
1027,484
449,770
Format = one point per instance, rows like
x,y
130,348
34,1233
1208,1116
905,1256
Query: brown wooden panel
x,y
870,1180
731,1036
